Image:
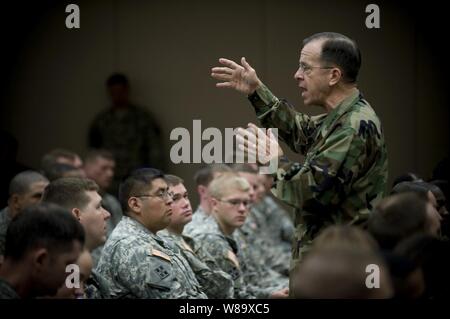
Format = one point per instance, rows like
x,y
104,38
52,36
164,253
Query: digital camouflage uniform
x,y
96,287
215,282
261,279
278,233
5,220
198,217
6,291
226,253
139,264
265,253
344,173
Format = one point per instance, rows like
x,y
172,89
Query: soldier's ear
x,y
201,190
335,76
14,201
76,212
134,204
213,202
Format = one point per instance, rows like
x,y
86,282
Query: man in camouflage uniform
x,y
230,202
25,189
262,228
344,173
203,178
130,132
135,261
80,196
215,282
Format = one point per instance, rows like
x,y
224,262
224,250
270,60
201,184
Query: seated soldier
x,y
135,261
340,273
230,203
61,163
262,231
40,243
80,196
215,282
25,189
99,166
203,178
402,215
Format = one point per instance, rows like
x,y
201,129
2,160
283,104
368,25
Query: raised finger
x,y
229,63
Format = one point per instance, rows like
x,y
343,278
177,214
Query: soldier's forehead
x,y
311,50
236,194
159,183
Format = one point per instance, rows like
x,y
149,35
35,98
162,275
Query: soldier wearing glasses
x,y
135,261
344,172
230,202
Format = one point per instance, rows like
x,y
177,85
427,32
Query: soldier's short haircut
x,y
21,183
117,78
173,180
398,217
339,273
407,177
345,236
69,192
42,226
51,158
59,170
54,154
340,50
205,175
418,186
244,168
226,183
94,154
137,182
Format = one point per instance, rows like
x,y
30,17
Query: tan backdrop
x,y
56,84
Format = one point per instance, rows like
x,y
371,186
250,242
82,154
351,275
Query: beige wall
x,y
168,47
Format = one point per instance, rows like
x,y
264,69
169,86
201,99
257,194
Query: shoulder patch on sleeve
x,y
232,256
160,254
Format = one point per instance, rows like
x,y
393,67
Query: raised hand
x,y
262,145
242,78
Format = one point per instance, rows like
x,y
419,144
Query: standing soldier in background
x,y
345,169
128,131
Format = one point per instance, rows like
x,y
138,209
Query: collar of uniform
x,y
338,111
199,210
141,228
6,213
213,226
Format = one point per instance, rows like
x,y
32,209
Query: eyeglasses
x,y
236,202
161,195
305,68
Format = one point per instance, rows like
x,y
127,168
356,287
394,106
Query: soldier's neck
x,y
176,229
15,274
205,207
226,229
338,95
